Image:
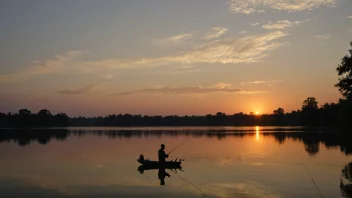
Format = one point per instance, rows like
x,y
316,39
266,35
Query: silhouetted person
x,y
162,174
161,154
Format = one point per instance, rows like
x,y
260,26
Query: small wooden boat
x,y
150,164
159,164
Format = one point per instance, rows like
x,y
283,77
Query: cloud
x,y
243,32
215,33
321,37
224,50
247,49
256,82
282,24
47,66
219,87
349,17
254,24
260,82
257,6
82,90
108,76
175,39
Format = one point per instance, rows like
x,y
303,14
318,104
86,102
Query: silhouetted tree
x,y
310,104
345,87
279,116
279,111
345,75
61,119
346,186
44,118
24,112
25,117
309,111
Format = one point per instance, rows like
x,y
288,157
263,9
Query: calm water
x,y
218,162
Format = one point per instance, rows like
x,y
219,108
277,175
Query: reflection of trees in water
x,y
24,136
346,181
310,139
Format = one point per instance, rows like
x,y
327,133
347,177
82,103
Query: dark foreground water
x,y
265,162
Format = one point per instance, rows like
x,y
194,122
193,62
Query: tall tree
x,y
310,104
279,111
345,75
309,114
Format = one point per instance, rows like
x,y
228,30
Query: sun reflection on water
x,y
257,132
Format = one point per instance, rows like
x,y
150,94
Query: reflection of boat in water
x,y
161,170
160,166
155,165
142,168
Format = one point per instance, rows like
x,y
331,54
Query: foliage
x,y
25,118
345,75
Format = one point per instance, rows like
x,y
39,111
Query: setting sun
x,y
257,113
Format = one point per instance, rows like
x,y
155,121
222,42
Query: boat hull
x,y
155,164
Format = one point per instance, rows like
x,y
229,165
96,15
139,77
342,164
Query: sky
x,y
164,57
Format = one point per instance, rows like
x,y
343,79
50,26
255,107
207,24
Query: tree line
x,y
311,114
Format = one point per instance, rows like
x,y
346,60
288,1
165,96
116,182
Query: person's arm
x,y
166,155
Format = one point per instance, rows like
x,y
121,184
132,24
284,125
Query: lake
x,y
244,162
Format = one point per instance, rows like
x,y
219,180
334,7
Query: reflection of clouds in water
x,y
240,190
17,189
99,166
242,159
72,185
229,162
256,164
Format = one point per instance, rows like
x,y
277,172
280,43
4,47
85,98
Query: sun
x,y
257,113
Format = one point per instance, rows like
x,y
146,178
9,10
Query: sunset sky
x,y
162,57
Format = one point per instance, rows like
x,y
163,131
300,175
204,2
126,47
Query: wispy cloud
x,y
83,90
256,6
108,76
219,87
321,37
245,49
47,66
282,24
175,39
215,33
224,50
257,82
254,24
349,17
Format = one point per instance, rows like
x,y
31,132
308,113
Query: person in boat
x,y
161,154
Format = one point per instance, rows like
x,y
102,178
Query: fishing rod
x,y
311,178
178,146
188,182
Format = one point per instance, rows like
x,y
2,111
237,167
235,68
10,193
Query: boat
x,y
143,168
150,164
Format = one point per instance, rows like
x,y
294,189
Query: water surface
x,y
218,162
